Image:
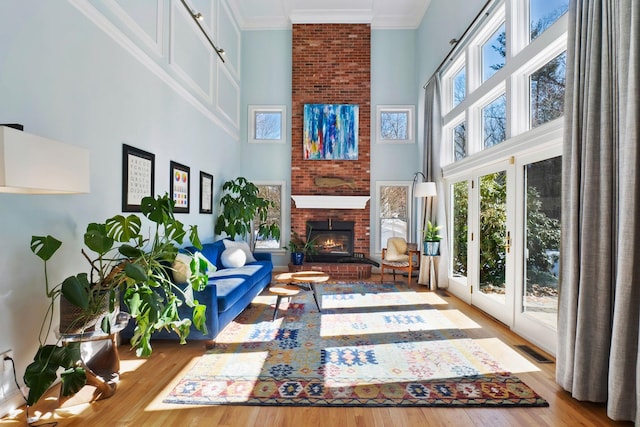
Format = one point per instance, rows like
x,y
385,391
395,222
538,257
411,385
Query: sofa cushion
x,y
233,257
181,268
242,245
232,283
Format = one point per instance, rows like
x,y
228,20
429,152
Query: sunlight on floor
x,y
511,359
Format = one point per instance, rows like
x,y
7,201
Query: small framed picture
x,y
206,193
179,186
138,171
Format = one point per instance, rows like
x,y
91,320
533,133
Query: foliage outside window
x,y
547,91
494,53
394,219
543,13
494,121
267,124
460,141
272,193
459,86
460,227
395,124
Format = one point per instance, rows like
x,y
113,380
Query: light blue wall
x,y
64,78
266,80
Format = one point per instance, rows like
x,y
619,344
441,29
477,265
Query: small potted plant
x,y
431,239
300,247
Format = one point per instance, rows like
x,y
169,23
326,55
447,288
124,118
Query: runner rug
x,y
372,345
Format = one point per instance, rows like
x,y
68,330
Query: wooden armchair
x,y
398,256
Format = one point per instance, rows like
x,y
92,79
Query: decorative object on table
x,y
300,247
206,193
398,255
240,207
138,173
431,239
373,345
330,132
127,265
179,186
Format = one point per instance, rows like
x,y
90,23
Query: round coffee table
x,y
296,281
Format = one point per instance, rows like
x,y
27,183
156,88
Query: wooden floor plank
x,y
144,383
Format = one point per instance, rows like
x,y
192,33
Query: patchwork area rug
x,y
372,345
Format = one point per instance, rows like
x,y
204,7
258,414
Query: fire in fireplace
x,y
333,240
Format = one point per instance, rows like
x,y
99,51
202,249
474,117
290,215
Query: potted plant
x,y
431,239
127,264
300,247
241,206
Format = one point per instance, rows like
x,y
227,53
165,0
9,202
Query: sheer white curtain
x,y
598,313
433,208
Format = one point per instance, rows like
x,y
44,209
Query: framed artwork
x,y
330,132
395,124
179,186
138,171
206,193
267,124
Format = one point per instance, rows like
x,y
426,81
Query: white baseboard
x,y
11,403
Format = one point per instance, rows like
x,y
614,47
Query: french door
x,y
482,237
504,237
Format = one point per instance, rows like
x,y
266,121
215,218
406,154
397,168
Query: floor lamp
x,y
420,190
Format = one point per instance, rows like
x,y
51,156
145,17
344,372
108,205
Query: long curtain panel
x,y
598,313
433,208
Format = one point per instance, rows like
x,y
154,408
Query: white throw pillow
x,y
181,268
242,245
233,257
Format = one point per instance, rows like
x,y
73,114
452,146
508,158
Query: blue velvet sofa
x,y
229,291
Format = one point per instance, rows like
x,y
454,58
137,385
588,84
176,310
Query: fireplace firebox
x,y
333,240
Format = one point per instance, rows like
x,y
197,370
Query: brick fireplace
x,y
332,65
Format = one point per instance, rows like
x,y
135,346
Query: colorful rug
x,y
372,345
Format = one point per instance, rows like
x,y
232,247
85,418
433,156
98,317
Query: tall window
x,y
494,121
547,91
274,193
543,13
459,86
494,53
393,202
460,141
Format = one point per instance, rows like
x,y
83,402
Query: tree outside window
x,y
393,212
494,120
272,193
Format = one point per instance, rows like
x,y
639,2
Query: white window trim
x,y
251,127
409,109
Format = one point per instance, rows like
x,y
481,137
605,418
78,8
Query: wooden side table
x,y
296,280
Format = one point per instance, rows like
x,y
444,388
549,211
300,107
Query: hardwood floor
x,y
144,383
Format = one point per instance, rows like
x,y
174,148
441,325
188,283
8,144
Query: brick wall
x,y
332,65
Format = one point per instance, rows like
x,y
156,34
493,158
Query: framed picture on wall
x,y
179,186
206,193
138,171
330,132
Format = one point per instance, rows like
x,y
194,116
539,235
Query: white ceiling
x,y
280,14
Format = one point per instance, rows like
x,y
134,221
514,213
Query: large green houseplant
x,y
431,239
127,264
242,207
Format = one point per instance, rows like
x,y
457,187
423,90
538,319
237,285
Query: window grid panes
x,y
459,86
460,141
394,125
547,86
268,125
494,121
273,193
543,13
393,212
494,53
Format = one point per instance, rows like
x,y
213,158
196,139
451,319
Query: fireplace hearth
x,y
333,240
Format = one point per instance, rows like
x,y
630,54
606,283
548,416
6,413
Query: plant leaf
x,y
96,238
44,246
123,229
76,290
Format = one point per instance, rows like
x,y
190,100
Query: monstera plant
x,y
123,262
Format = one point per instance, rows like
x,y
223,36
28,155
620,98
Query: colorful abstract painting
x,y
330,132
